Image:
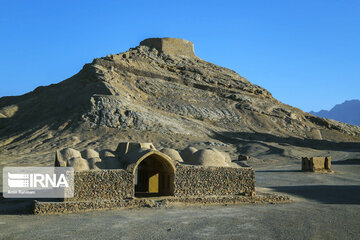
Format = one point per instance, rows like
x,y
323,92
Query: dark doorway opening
x,y
154,176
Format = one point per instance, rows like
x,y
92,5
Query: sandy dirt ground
x,y
326,206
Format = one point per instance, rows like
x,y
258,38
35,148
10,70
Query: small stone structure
x,y
316,164
243,157
171,46
136,170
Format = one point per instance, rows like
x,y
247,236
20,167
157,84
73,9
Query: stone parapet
x,y
104,185
41,208
208,181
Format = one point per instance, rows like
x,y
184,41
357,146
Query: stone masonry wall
x,y
102,185
206,181
316,164
189,181
172,46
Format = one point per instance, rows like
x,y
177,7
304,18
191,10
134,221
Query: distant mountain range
x,y
347,112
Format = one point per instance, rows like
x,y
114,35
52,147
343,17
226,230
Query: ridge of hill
x,y
154,93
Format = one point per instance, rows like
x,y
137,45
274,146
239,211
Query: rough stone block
x,y
243,157
305,164
171,46
328,163
316,164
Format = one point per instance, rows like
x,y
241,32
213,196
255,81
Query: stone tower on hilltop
x,y
171,46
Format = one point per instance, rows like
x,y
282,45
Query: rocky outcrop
x,y
143,82
162,90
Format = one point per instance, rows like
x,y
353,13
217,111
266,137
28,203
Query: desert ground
x,y
325,206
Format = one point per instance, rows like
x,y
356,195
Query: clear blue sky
x,y
305,52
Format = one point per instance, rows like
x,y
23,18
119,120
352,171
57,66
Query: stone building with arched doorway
x,y
138,171
153,171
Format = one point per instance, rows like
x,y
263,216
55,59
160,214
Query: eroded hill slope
x,y
149,94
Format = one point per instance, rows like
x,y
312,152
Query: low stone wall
x,y
207,181
79,206
109,189
190,180
102,185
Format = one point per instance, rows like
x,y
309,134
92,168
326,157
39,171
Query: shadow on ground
x,y
260,138
278,170
347,162
328,194
15,206
20,206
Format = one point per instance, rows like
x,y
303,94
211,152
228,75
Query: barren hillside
x,y
154,94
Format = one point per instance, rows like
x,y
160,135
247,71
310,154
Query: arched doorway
x,y
154,176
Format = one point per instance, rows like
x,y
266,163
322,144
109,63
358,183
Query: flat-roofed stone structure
x,y
171,46
316,164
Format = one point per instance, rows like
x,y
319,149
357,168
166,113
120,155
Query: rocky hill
x,y
160,92
347,112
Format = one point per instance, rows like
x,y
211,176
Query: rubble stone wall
x,y
207,181
102,185
190,180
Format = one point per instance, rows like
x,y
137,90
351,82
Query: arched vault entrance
x,y
154,175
